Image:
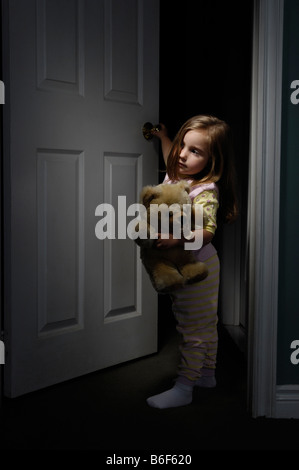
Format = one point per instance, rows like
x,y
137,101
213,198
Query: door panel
x,y
122,287
83,78
60,235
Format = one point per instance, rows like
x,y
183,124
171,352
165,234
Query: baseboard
x,y
287,401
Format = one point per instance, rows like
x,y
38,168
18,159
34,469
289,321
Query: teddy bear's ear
x,y
147,195
185,185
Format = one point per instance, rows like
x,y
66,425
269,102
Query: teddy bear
x,y
169,269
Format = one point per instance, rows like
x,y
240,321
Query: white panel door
x,y
82,78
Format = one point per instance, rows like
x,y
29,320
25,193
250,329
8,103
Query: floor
x,y
107,411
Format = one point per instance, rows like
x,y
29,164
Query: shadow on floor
x,y
107,411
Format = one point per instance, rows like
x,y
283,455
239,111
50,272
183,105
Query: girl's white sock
x,y
179,395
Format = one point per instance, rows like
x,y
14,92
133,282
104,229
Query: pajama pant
x,y
195,309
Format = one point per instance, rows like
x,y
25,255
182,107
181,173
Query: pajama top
x,y
207,195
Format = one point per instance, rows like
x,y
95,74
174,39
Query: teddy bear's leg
x,y
166,278
194,272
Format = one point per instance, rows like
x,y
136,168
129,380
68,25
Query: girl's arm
x,y
166,143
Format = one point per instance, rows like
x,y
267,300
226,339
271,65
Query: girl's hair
x,y
220,167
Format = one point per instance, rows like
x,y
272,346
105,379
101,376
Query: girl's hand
x,y
166,243
162,133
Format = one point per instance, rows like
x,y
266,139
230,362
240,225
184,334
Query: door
x,y
82,80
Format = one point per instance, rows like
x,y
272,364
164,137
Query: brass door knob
x,y
148,129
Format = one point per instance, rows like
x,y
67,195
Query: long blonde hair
x,y
220,168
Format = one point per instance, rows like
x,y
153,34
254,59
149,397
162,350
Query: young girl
x,y
201,154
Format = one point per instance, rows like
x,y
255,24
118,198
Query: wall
x,y
288,298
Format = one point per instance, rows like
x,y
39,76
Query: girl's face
x,y
194,153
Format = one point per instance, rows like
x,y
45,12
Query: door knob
x,y
148,128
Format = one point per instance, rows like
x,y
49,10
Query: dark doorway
x,y
205,68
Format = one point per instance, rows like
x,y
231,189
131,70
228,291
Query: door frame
x,y
265,398
263,204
